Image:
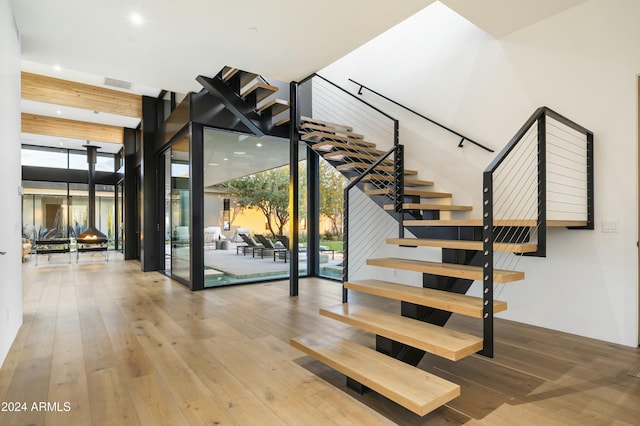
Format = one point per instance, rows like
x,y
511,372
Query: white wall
x,y
582,63
10,177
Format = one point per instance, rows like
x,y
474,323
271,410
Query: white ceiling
x,y
177,41
502,17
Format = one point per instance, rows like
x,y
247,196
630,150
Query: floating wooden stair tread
x,y
275,105
387,178
282,121
439,299
444,342
340,155
500,276
261,90
410,192
317,136
228,72
329,145
329,130
463,244
365,166
440,207
334,126
499,222
245,77
411,387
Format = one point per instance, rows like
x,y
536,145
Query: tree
x,y
267,191
332,185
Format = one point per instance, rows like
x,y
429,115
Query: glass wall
x,y
246,209
60,209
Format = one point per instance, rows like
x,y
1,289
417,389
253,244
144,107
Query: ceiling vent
x,y
118,83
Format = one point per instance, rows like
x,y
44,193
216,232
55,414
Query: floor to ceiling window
x,y
55,201
246,209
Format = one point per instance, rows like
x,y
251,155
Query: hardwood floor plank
x,y
153,402
68,383
110,400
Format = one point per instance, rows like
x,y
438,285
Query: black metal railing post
x,y
590,184
541,225
345,245
487,265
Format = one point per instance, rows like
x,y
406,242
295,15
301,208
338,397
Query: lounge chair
x,y
251,245
267,246
284,254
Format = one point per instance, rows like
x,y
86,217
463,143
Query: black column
x,y
294,138
313,212
196,187
150,243
130,195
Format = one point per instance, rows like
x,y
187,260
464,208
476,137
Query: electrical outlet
x,y
610,225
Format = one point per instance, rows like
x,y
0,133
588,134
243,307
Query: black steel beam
x,y
234,103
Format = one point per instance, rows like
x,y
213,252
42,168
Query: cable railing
x,y
462,137
375,170
543,175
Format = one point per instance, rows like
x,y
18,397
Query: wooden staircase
x,y
258,94
384,370
400,340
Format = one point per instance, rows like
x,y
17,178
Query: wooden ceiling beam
x,y
51,126
55,91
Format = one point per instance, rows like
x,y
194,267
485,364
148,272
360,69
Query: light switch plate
x,y
610,225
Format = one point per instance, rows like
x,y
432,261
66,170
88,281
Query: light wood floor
x,y
123,347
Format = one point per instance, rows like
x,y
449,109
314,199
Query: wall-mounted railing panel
x,y
545,173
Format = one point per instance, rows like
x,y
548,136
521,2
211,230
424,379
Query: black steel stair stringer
x,y
234,103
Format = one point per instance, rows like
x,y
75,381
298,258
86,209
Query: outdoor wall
x,y
582,63
10,231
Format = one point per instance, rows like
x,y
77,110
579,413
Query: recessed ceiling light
x,y
58,112
239,152
225,159
136,19
214,164
61,143
57,68
258,144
